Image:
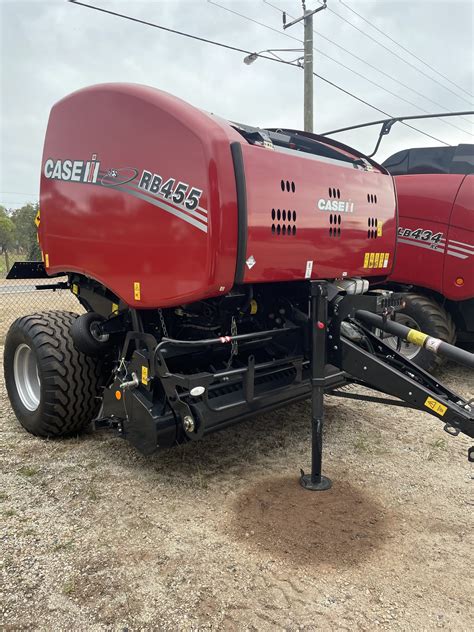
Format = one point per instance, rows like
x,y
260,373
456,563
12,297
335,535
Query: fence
x,y
20,297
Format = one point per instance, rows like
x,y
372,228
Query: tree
x,y
26,234
7,235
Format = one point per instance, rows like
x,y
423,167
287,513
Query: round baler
x,y
225,270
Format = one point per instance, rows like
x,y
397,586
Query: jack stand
x,y
318,323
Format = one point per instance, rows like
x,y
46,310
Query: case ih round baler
x,y
225,270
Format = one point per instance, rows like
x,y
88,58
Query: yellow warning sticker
x,y
114,308
379,228
435,406
75,289
376,259
253,306
46,260
37,219
416,337
145,375
371,259
366,260
136,291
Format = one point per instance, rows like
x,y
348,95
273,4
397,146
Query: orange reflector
x,y
118,395
459,281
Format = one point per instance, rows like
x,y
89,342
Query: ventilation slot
x,y
335,225
283,222
288,186
372,223
334,193
371,198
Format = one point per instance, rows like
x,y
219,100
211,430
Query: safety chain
x,y
162,323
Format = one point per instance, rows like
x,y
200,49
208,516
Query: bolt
x,y
188,423
410,393
365,368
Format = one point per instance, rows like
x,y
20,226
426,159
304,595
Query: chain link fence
x,y
19,297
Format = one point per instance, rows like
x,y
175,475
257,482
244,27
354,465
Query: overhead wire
x,y
247,52
336,61
367,63
392,52
374,26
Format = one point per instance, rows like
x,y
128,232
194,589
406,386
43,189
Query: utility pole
x,y
307,17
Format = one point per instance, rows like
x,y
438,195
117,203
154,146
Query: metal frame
x,y
387,124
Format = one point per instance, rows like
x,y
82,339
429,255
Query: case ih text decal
x,y
173,196
338,206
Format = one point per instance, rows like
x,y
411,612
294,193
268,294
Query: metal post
x,y
318,323
308,71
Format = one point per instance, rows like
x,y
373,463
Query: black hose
x,y
417,337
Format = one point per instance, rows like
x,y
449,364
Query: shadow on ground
x,y
335,528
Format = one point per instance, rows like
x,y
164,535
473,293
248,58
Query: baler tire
x,y
433,320
68,382
83,337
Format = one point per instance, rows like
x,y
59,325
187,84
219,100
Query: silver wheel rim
x,y
407,349
27,381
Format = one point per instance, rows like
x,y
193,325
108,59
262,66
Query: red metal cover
x,y
138,191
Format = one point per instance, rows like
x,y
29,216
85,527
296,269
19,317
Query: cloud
x,y
49,49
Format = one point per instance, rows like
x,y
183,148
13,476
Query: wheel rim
x,y
27,381
408,349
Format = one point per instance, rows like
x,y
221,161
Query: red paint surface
x,y
441,203
118,239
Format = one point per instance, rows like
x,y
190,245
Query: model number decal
x,y
182,193
421,234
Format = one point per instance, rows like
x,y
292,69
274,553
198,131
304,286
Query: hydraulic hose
x,y
417,338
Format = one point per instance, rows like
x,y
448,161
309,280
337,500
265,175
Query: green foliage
x,y
7,233
26,235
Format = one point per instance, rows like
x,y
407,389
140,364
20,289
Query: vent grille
x,y
372,231
335,225
283,221
288,185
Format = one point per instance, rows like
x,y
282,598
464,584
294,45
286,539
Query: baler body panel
x,y
140,191
292,228
459,262
436,233
121,234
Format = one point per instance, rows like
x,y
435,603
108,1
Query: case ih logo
x,y
338,206
72,170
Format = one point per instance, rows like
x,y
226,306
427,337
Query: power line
x,y
364,61
405,61
247,52
393,94
374,26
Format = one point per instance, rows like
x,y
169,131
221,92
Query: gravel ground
x,y
219,535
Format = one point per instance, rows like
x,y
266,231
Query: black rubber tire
x,y
69,380
433,320
83,338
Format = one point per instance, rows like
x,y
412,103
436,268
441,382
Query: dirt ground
x,y
219,535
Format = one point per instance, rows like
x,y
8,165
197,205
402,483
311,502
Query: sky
x,y
50,48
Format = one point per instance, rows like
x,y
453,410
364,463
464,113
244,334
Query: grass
x,y
69,587
28,471
436,447
64,546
